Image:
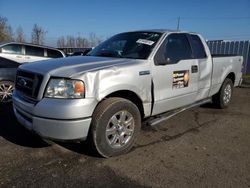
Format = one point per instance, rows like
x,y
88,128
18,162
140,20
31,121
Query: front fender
x,y
101,83
115,88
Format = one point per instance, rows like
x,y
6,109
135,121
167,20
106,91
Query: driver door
x,y
175,74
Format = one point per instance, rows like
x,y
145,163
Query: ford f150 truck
x,y
104,96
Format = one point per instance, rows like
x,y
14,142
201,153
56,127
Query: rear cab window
x,y
34,51
54,53
11,49
197,47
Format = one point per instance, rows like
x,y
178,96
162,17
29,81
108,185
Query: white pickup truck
x,y
104,96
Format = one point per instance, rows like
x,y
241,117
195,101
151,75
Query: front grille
x,y
28,83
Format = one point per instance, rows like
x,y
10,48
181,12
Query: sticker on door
x,y
180,79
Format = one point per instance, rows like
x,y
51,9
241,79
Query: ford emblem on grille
x,y
22,82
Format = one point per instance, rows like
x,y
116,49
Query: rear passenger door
x,y
34,53
175,74
205,66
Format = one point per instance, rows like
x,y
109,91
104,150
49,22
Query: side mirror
x,y
162,62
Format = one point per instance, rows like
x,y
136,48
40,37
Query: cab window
x,y
12,49
198,48
177,47
34,51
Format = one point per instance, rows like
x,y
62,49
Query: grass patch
x,y
246,76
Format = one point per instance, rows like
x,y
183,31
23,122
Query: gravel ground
x,y
203,147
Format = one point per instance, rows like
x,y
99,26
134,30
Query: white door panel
x,y
29,58
12,51
15,57
171,91
175,75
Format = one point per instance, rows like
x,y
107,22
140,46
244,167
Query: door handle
x,y
194,68
27,57
18,56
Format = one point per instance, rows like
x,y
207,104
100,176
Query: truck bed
x,y
223,65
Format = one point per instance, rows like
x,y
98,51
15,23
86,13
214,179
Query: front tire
x,y
116,123
223,98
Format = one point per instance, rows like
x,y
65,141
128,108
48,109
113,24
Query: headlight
x,y
65,88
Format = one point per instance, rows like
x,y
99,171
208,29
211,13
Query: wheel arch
x,y
231,76
129,95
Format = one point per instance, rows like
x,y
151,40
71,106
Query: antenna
x,y
178,23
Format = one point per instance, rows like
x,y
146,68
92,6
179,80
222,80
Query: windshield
x,y
135,45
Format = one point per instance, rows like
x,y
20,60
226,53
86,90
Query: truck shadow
x,y
83,148
13,132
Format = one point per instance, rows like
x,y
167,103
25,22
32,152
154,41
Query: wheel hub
x,y
227,94
6,90
120,129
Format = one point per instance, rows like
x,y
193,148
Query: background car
x,y
24,52
81,53
8,70
14,54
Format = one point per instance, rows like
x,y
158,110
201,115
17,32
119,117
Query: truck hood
x,y
72,66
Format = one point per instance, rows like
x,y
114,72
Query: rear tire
x,y
116,123
223,98
6,90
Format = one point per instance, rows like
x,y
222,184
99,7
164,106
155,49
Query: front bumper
x,y
57,122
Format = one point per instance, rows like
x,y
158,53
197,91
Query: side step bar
x,y
168,115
